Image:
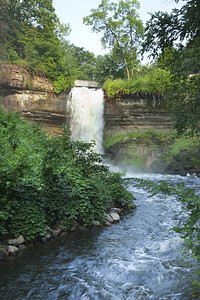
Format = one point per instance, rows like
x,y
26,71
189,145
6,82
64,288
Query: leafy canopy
x,y
174,41
121,30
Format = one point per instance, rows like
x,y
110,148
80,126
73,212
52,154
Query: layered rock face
x,y
136,136
31,95
135,113
34,97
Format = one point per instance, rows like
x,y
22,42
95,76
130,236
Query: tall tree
x,y
182,28
161,31
121,28
165,30
108,68
33,33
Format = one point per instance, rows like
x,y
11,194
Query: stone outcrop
x,y
87,83
153,153
17,77
135,113
34,97
31,95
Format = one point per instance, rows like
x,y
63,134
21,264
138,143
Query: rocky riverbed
x,y
16,245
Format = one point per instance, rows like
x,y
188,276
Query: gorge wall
x,y
33,96
135,113
135,126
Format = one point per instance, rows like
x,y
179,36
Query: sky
x,y
73,11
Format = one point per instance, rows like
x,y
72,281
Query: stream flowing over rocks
x,y
136,258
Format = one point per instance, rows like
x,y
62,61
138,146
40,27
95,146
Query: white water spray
x,y
86,115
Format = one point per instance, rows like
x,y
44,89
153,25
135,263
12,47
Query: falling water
x,y
138,258
86,115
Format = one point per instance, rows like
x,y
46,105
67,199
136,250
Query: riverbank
x,y
138,257
51,181
17,245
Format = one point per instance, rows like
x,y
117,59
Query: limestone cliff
x,y
136,135
31,95
135,113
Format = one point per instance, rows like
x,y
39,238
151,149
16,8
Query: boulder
x,y
12,250
48,229
114,215
22,247
12,242
62,227
56,232
117,210
20,240
109,219
96,223
108,224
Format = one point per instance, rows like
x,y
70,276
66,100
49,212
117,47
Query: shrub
x,y
45,180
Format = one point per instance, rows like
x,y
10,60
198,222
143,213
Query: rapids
x,y
138,258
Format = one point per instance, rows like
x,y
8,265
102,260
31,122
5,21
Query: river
x,y
137,258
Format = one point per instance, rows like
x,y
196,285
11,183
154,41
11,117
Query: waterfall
x,y
86,106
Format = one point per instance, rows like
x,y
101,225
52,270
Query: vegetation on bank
x,y
146,79
154,139
45,180
173,155
151,137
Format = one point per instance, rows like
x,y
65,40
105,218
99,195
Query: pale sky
x,y
73,11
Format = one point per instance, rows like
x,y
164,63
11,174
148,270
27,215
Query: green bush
x,y
45,180
155,80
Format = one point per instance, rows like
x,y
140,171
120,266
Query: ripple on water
x,y
138,258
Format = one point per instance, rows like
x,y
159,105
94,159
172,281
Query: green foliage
x,y
121,30
160,32
45,180
182,143
150,137
155,80
177,37
163,30
107,67
186,105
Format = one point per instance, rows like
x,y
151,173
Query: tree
x,y
121,27
33,35
182,27
161,32
85,63
189,15
108,68
165,30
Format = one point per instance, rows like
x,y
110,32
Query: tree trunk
x,y
127,70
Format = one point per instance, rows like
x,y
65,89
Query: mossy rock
x,y
154,152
